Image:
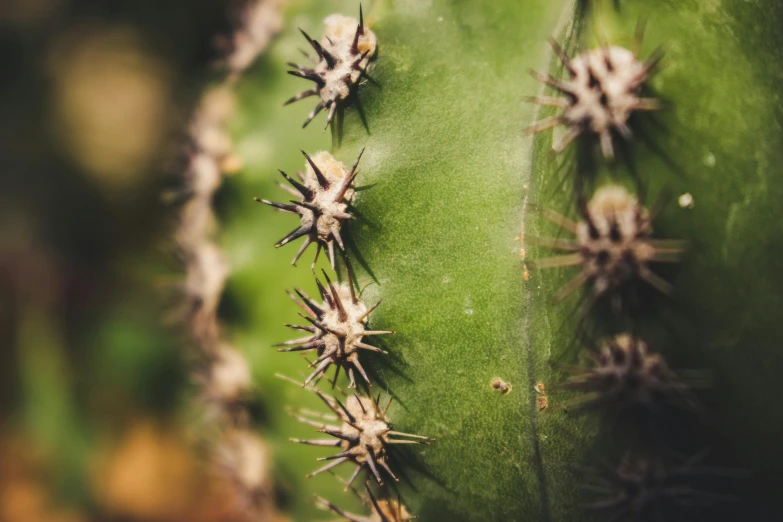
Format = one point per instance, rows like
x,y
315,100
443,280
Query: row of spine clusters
x,y
337,323
237,455
613,245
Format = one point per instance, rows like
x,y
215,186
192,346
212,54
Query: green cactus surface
x,y
451,205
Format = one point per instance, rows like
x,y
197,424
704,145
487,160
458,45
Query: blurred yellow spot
x,y
27,13
110,103
149,475
25,494
231,164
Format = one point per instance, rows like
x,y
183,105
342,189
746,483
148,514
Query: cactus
x,y
622,378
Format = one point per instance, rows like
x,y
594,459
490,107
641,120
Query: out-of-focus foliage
x,y
94,96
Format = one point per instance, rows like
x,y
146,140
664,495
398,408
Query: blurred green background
x,y
94,98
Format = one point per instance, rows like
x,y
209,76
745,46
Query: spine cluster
x,y
337,328
240,458
323,196
341,58
337,323
601,94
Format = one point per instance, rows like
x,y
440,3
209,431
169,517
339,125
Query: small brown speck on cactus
x,y
325,193
600,96
501,386
613,244
364,435
343,55
338,327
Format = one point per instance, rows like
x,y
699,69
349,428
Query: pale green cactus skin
x,y
451,192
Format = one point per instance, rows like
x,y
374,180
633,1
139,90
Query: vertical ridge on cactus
x,y
441,248
223,375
